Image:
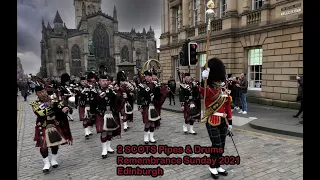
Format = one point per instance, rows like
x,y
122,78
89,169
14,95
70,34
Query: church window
x,y
76,60
101,43
124,53
59,58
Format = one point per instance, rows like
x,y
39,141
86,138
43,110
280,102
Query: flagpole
x,y
210,15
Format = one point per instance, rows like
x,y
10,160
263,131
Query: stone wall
x,y
282,60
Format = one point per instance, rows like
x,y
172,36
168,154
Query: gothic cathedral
x,y
66,50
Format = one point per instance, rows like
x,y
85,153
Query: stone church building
x,y
66,50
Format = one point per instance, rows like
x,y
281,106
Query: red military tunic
x,y
225,107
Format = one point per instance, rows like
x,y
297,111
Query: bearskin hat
x,y
103,76
186,74
65,78
121,76
229,75
147,73
217,70
83,78
92,75
38,88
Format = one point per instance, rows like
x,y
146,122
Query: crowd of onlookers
x,y
26,87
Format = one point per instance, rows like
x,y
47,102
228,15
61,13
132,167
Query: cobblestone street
x,y
262,157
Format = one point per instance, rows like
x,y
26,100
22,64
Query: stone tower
x,y
91,7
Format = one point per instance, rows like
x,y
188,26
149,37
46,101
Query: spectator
x,y
300,97
24,90
243,93
172,85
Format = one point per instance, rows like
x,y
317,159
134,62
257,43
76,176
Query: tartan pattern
x,y
81,113
217,135
65,128
100,122
41,139
145,118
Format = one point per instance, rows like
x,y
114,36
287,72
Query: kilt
x,y
145,117
218,134
81,112
41,142
186,113
100,122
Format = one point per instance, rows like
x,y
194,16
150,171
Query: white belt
x,y
218,114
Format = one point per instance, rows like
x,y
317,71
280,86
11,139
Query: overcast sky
x,y
131,13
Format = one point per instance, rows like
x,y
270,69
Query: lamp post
x,y
210,15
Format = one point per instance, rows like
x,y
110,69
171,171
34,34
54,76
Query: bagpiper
x,y
148,92
52,126
218,115
83,96
127,89
190,101
106,105
65,92
164,90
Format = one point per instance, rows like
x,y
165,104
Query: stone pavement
x,y
265,118
262,157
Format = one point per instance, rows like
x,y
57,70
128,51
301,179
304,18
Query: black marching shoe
x,y
295,116
191,131
151,139
222,171
174,103
125,126
54,162
104,153
109,149
46,166
214,173
169,104
146,138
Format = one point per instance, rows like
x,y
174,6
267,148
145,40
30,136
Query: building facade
x,y
262,38
20,72
66,50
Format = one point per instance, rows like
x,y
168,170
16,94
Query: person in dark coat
x,y
24,87
172,85
300,97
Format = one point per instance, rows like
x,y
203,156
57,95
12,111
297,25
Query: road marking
x,y
240,121
268,135
19,117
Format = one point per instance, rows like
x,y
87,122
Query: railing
x,y
190,32
216,25
202,29
254,17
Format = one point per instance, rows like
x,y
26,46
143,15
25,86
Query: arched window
x,y
59,58
138,59
76,60
89,9
124,54
101,42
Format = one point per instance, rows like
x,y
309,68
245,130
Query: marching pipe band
x,y
103,102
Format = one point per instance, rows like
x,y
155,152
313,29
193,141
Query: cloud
x,y
30,62
131,13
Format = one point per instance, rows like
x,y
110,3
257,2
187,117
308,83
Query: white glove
x,y
205,74
124,95
229,127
